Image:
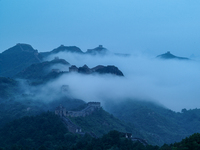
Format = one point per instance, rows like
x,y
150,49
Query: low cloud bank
x,y
172,83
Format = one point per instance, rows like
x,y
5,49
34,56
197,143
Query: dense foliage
x,y
32,132
8,87
46,131
101,122
112,141
189,143
157,124
11,109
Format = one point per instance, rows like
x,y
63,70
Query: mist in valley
x,y
173,84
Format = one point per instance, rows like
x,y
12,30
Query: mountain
x,y
107,69
101,122
98,50
98,69
47,131
44,69
17,58
8,87
22,59
19,103
191,142
168,55
32,96
62,48
43,72
157,124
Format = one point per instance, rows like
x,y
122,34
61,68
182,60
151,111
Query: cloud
x,y
172,83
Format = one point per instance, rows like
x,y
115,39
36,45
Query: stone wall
x,y
91,107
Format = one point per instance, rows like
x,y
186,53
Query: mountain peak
x,y
20,47
72,49
168,55
17,58
98,50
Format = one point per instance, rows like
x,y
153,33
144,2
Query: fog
x,y
172,83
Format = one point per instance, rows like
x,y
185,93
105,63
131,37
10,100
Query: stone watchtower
x,y
94,104
60,110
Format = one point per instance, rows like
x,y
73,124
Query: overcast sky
x,y
149,26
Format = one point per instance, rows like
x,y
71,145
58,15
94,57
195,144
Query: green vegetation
x,y
46,131
101,122
189,143
33,132
8,87
158,125
25,106
112,141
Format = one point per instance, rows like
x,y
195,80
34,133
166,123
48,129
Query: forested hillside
x,y
46,131
157,124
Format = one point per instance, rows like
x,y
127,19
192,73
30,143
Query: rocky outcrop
x,y
98,69
108,69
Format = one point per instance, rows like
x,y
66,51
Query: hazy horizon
x,y
149,27
173,84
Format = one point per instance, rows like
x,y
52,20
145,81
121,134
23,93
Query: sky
x,y
128,26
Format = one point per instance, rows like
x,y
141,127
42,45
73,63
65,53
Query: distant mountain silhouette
x,y
72,49
17,58
98,69
43,69
168,55
98,50
62,48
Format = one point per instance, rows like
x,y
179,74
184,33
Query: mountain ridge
x,y
168,55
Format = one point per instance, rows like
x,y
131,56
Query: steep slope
x,y
26,105
17,58
157,124
191,142
43,69
33,132
107,69
101,122
46,131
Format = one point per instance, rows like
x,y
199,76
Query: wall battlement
x,y
91,107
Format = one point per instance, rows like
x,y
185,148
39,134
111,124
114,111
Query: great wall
x,y
64,114
90,108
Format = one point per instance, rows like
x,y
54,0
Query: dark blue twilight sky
x,y
147,26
